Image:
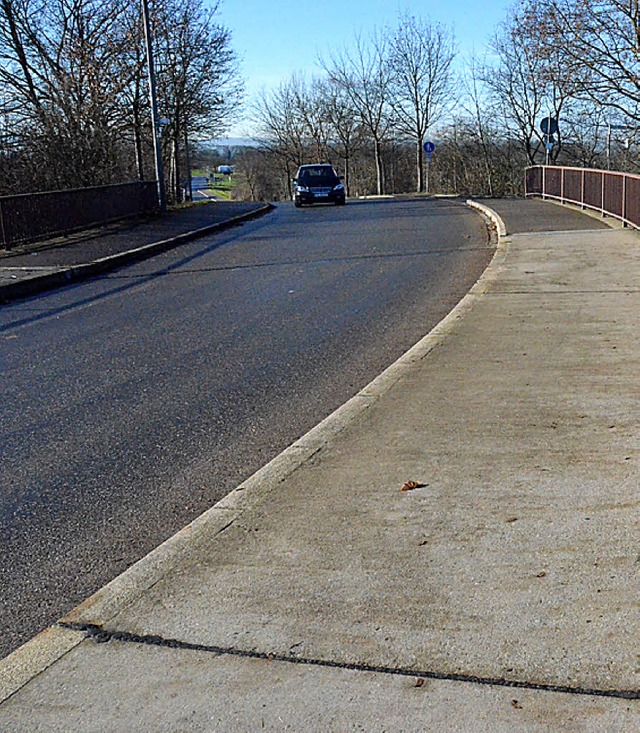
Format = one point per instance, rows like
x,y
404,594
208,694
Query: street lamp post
x,y
155,124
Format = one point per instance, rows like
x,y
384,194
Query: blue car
x,y
318,184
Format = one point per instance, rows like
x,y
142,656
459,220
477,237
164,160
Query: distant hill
x,y
228,142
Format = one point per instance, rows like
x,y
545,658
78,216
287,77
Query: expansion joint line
x,y
98,634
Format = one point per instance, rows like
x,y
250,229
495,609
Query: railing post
x,y
562,172
544,182
602,187
582,190
624,200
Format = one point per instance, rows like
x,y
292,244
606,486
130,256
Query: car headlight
x,y
302,189
339,187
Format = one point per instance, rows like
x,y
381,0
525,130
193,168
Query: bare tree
x,y
313,113
422,54
72,72
198,83
480,125
257,182
531,80
345,134
602,37
57,61
281,128
365,75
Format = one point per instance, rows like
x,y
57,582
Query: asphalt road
x,y
133,402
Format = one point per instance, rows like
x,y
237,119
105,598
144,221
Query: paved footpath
x,y
501,594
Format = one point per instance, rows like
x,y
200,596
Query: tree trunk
x,y
379,168
177,188
137,138
347,185
289,189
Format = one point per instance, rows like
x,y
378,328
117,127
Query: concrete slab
x,y
116,687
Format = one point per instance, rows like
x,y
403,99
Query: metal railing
x,y
33,216
609,192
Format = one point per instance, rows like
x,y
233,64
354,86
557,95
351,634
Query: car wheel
x,y
297,203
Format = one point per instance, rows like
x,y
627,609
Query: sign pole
x,y
428,148
549,126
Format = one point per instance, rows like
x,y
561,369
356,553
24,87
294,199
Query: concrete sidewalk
x,y
499,595
33,268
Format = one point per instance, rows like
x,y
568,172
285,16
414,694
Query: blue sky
x,y
276,38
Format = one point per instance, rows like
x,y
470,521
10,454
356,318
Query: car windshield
x,y
320,176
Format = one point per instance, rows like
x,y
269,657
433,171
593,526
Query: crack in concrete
x,y
99,635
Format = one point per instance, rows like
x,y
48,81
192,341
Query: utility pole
x,y
154,107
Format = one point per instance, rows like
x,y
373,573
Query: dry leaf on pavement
x,y
410,485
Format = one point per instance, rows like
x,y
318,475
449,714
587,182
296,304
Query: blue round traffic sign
x,y
429,147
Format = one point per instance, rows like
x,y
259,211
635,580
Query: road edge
x,y
45,649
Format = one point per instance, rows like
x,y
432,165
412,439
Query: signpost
x,y
428,148
549,127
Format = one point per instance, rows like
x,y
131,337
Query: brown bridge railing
x,y
608,192
33,216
